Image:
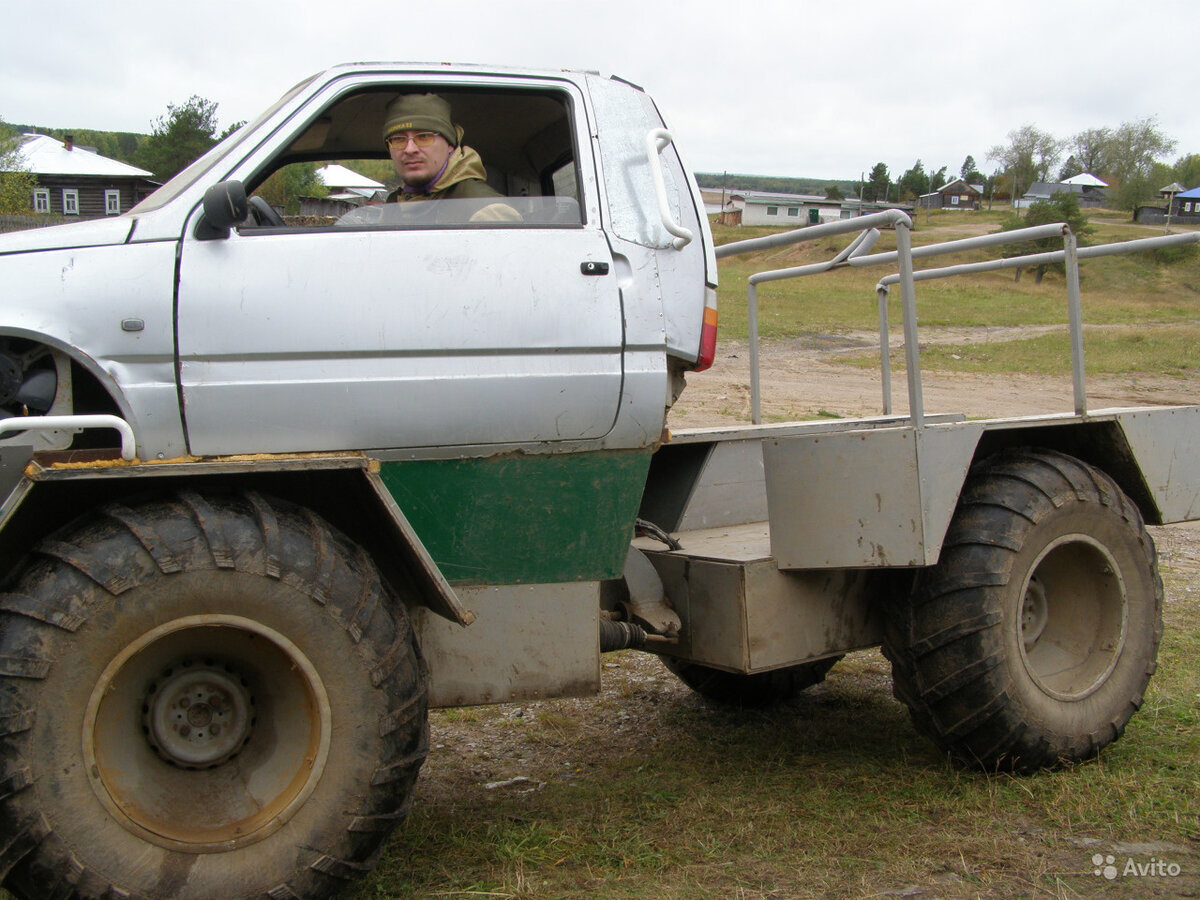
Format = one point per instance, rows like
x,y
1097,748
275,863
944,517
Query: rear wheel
x,y
1032,640
203,697
759,689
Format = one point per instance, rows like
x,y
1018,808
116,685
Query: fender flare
x,y
345,489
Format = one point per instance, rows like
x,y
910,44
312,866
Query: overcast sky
x,y
772,87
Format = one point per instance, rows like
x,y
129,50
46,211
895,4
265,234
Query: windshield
x,y
181,181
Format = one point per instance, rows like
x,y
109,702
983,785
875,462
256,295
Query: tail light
x,y
708,337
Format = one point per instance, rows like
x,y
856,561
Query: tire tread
x,y
126,546
942,641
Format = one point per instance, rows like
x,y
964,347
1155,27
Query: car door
x,y
328,338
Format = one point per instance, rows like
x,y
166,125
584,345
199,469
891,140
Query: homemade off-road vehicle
x,y
270,491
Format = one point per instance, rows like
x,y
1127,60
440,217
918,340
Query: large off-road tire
x,y
1031,642
203,697
759,689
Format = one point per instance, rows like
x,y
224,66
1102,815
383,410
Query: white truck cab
x,y
372,330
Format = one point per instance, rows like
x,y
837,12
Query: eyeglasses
x,y
421,138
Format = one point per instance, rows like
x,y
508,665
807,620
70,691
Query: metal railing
x,y
75,423
857,254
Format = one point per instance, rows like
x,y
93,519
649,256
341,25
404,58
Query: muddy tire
x,y
203,697
759,689
1031,642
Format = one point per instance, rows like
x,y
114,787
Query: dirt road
x,y
806,377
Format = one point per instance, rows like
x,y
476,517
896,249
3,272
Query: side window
x,y
112,202
41,200
70,197
453,157
565,180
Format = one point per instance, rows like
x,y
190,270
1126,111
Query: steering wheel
x,y
264,213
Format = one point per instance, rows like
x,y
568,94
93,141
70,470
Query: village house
x,y
347,190
955,195
1185,205
74,181
1088,190
735,207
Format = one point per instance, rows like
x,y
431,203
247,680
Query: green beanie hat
x,y
420,112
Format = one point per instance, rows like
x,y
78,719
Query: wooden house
x,y
74,181
955,195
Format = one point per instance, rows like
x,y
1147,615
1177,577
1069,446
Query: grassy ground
x,y
646,792
1160,288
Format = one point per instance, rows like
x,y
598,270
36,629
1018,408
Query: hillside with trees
x,y
775,184
1133,158
119,145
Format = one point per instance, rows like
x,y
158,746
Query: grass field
x,y
646,792
1159,288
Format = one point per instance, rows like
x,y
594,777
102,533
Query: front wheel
x,y
203,697
1032,640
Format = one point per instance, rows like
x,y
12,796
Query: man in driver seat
x,y
432,162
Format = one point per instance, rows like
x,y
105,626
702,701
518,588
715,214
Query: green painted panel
x,y
523,519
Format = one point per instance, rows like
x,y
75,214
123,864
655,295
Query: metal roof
x,y
1193,194
977,188
759,197
1046,189
1085,179
43,155
335,176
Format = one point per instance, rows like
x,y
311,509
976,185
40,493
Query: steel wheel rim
x,y
220,792
1034,613
1072,618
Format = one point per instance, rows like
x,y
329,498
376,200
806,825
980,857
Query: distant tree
x,y
938,179
1187,170
127,143
991,185
16,181
833,192
969,172
1028,156
1070,168
1061,207
1132,151
1134,147
877,185
179,137
286,186
118,145
710,181
1162,173
914,182
1090,149
380,170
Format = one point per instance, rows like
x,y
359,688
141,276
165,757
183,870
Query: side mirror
x,y
225,205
